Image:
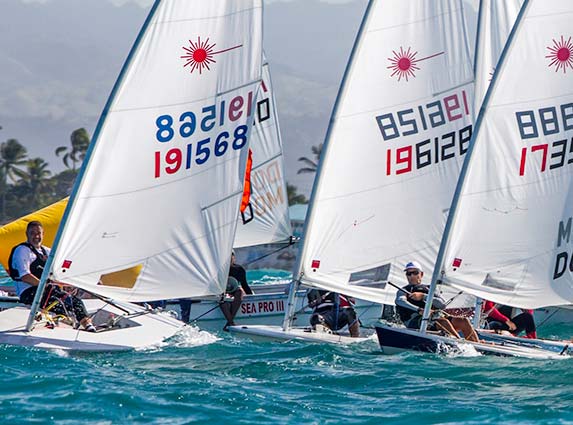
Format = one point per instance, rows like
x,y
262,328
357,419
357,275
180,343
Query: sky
x,y
147,3
59,60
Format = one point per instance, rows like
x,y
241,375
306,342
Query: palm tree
x,y
38,182
294,197
12,156
311,165
63,183
80,141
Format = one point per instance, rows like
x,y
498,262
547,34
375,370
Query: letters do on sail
x,y
563,259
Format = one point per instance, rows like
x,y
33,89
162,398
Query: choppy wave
x,y
201,377
262,276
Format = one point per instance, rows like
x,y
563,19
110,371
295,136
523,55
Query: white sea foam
x,y
463,350
61,353
189,336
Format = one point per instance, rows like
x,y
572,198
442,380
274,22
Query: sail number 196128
x,y
423,122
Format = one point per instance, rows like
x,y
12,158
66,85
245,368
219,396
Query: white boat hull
x,y
553,315
306,334
8,302
561,347
138,330
267,307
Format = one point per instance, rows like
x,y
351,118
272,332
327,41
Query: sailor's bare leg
x,y
445,325
354,329
226,309
463,325
230,309
238,296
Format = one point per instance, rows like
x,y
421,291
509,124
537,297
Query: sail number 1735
x,y
539,125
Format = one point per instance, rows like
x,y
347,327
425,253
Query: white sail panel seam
x,y
222,163
206,18
395,105
533,182
144,260
407,24
146,108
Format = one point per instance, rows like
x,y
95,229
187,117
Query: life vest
x,y
36,267
328,300
504,310
345,302
405,313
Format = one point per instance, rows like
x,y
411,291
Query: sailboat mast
x,y
48,267
477,42
297,275
438,269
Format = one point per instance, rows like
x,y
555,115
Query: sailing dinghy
x,y
265,221
399,130
162,180
495,21
507,236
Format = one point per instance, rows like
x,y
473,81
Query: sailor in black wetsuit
x,y
238,272
334,311
26,263
237,287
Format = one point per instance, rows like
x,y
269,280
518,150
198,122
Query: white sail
x,y
510,236
164,176
496,18
399,131
266,219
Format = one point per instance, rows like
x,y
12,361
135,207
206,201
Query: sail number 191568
x,y
202,146
200,152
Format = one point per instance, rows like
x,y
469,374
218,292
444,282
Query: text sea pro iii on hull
x,y
512,200
177,122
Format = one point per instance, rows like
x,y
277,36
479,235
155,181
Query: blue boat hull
x,y
396,340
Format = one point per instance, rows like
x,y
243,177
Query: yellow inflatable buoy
x,y
14,233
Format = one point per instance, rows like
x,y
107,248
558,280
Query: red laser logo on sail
x,y
199,55
404,63
561,54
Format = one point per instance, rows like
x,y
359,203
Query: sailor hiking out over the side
x,y
499,318
26,263
410,303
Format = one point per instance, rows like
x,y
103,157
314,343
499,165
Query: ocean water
x,y
200,377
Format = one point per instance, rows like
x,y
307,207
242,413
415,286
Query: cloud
x,y
147,3
142,3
